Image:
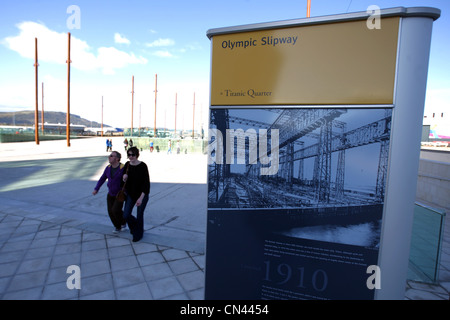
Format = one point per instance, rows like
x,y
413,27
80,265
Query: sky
x,y
161,44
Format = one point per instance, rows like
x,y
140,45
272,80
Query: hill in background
x,y
26,118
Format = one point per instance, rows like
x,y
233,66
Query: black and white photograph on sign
x,y
317,160
295,201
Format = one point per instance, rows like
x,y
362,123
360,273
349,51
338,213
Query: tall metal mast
x,y
132,103
36,120
193,117
102,117
156,90
175,130
42,113
68,94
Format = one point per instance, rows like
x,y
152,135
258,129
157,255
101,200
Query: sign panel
x,y
295,202
301,139
337,63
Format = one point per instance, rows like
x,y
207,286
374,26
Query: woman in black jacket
x,y
137,189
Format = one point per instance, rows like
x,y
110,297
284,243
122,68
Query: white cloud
x,y
24,42
52,47
112,58
119,39
163,54
161,43
193,46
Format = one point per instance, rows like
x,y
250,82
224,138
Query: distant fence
x,y
27,137
162,144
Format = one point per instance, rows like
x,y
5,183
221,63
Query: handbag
x,y
121,196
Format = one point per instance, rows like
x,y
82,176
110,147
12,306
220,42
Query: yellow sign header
x,y
336,63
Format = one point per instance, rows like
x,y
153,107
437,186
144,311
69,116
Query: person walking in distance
x,y
114,173
137,188
169,147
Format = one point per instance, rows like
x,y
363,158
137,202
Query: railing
x,y
426,243
161,144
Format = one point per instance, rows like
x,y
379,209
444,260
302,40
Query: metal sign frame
x,y
408,97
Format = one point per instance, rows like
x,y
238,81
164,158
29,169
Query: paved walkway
x,y
50,221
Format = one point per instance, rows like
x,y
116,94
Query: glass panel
x,y
426,244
